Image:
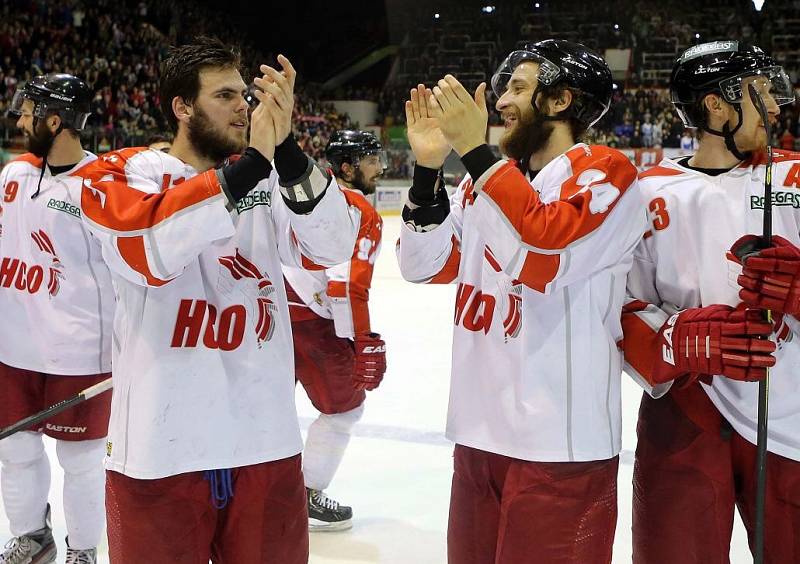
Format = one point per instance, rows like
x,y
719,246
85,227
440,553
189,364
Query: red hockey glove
x,y
715,339
770,277
369,363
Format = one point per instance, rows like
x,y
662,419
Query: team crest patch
x,y
259,291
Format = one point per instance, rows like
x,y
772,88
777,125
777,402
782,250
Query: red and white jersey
x,y
341,293
56,297
203,358
681,263
541,268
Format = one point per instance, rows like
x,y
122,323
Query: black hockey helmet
x,y
63,94
349,145
719,67
569,63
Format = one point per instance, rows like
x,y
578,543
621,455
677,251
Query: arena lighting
x,y
488,9
758,4
537,5
616,26
436,16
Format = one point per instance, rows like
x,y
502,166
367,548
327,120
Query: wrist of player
x,y
464,146
242,175
266,150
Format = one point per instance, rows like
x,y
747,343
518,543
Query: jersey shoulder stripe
x,y
759,158
28,158
659,171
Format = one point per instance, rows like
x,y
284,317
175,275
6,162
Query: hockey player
x,y
539,247
57,305
203,453
695,457
337,356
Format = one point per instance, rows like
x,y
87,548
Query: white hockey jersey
x,y
681,263
56,298
203,358
541,269
341,293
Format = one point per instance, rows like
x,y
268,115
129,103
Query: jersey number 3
x,y
658,213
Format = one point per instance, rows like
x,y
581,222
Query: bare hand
x,y
280,101
462,117
427,141
262,126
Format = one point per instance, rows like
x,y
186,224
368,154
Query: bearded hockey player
x,y
57,304
689,335
539,247
204,444
337,356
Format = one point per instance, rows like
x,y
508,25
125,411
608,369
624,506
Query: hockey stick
x,y
763,385
81,397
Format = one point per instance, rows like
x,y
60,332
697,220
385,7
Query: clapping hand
x,y
462,117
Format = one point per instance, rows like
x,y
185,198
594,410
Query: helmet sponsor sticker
x,y
706,48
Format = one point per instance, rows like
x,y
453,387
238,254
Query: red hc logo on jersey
x,y
30,277
475,310
241,268
226,330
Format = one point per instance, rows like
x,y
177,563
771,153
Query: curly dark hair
x,y
180,71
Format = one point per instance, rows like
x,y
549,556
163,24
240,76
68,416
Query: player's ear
x,y
181,109
53,122
562,101
714,106
346,171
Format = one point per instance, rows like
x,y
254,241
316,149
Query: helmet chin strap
x,y
727,134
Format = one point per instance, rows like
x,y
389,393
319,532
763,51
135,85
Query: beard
x,y
528,136
40,141
211,143
360,183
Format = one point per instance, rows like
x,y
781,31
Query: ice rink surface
x,y
397,470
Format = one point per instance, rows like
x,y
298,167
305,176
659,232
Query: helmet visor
x,y
547,75
383,159
770,82
18,101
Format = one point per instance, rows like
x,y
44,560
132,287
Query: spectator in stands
x,y
687,142
647,131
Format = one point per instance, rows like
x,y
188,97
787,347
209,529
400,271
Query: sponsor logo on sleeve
x,y
253,200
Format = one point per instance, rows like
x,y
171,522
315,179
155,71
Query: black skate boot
x,y
325,514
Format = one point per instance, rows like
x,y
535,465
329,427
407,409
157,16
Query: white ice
x,y
396,473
